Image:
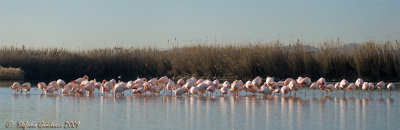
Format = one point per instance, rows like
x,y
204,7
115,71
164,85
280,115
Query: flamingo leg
x,y
344,92
305,92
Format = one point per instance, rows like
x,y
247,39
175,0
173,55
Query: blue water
x,y
357,112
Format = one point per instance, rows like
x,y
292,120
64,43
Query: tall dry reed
x,y
369,60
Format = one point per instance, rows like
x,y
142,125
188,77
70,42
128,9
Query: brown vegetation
x,y
369,60
11,73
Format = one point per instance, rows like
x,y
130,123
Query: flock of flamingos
x,y
193,86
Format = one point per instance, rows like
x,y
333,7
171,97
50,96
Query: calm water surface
x,y
221,112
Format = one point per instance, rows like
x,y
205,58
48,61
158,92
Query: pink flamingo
x,y
42,86
343,85
67,88
390,87
329,88
180,91
380,85
303,81
120,88
16,87
202,87
292,87
224,90
285,90
26,86
359,83
211,89
351,87
194,90
269,81
180,82
265,90
314,86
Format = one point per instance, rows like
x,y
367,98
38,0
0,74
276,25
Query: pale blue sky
x,y
108,23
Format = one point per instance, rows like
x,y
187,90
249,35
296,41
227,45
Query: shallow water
x,y
335,111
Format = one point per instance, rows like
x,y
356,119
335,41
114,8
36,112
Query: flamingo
x,y
155,89
390,86
265,90
163,80
224,90
288,80
67,88
365,86
97,85
343,85
254,90
120,88
337,87
79,80
16,87
189,84
194,90
170,85
211,89
61,83
106,86
202,87
285,90
180,91
380,85
217,85
277,91
80,91
292,86
359,83
180,82
199,81
26,86
329,88
269,81
90,88
371,86
53,84
234,88
248,85
139,91
314,86
257,81
226,84
351,87
321,81
42,86
303,81
321,84
50,89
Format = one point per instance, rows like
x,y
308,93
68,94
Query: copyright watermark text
x,y
42,124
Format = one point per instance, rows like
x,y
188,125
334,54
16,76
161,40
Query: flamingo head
x,y
86,77
144,79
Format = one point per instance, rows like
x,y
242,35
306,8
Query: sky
x,y
78,24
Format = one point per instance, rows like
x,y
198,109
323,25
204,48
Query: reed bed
x,y
369,60
11,73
